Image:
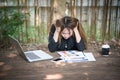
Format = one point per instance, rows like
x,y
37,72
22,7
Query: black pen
x,y
84,56
83,53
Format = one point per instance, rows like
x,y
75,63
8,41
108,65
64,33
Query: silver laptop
x,y
30,56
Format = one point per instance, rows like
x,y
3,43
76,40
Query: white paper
x,y
76,56
90,56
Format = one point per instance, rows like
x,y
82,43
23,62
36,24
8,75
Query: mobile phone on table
x,y
57,59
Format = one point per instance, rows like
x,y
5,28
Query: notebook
x,y
30,56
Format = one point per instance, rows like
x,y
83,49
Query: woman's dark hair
x,y
70,23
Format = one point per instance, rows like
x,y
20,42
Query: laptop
x,y
30,56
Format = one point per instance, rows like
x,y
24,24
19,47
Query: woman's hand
x,y
58,25
57,31
76,28
77,34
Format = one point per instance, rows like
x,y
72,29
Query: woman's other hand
x,y
58,25
76,28
57,31
77,34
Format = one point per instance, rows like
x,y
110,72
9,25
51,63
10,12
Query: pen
x,y
84,56
83,53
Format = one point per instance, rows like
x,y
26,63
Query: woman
x,y
67,34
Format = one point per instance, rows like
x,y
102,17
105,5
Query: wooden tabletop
x,y
14,67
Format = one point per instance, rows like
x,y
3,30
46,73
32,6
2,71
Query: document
x,y
76,56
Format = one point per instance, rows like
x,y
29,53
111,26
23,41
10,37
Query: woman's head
x,y
67,24
66,33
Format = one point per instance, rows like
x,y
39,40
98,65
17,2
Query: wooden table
x,y
14,67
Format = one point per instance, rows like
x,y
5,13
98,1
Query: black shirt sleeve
x,y
52,45
80,46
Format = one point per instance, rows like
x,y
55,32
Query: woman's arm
x,y
77,34
80,46
79,42
57,30
53,39
56,35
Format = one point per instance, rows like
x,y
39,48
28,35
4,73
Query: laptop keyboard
x,y
31,55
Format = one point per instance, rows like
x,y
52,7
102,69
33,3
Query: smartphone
x,y
56,59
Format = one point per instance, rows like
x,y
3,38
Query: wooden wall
x,y
100,18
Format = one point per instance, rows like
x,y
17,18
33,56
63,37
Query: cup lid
x,y
105,46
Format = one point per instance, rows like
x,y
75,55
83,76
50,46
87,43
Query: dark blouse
x,y
66,44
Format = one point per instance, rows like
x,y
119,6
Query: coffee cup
x,y
105,49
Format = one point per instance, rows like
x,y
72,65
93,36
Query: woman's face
x,y
67,33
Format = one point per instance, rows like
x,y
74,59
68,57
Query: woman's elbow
x,y
51,49
81,48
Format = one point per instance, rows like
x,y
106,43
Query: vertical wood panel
x,y
109,29
88,13
81,10
104,19
116,20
